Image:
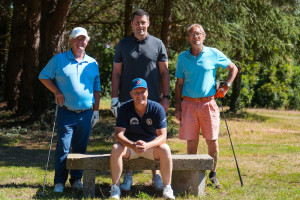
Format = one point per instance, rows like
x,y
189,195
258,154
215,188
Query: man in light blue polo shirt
x,y
195,72
73,77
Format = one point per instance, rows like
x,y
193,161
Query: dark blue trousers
x,y
73,132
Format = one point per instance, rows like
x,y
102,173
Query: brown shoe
x,y
215,182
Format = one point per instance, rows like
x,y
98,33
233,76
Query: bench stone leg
x,y
89,177
188,181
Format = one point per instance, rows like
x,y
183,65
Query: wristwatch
x,y
167,96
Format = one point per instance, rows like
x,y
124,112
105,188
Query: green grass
x,y
266,143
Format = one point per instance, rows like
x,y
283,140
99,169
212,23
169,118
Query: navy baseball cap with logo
x,y
138,83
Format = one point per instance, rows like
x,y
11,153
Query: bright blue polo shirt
x,y
199,74
144,128
76,80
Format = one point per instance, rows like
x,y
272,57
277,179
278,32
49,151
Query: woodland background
x,y
260,36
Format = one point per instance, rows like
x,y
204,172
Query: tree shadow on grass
x,y
68,193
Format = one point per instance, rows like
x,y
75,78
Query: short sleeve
x,y
49,70
163,55
161,118
122,119
118,54
223,61
179,68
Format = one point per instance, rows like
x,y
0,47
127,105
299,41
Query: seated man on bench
x,y
141,131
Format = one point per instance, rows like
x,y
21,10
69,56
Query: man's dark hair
x,y
139,12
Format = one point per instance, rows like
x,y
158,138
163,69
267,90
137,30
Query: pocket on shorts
x,y
213,107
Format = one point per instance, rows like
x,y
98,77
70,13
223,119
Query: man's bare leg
x,y
192,146
118,152
163,154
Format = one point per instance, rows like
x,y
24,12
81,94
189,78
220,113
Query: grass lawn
x,y
266,143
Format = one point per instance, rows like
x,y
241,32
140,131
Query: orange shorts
x,y
199,115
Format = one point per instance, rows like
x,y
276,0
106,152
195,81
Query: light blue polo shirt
x,y
76,80
199,74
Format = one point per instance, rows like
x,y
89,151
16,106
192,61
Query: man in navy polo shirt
x,y
73,77
141,131
140,55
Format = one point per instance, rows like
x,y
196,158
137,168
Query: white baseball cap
x,y
79,31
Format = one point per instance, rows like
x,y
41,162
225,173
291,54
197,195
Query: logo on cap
x,y
137,83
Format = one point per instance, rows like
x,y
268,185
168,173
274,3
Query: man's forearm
x,y
165,83
233,70
178,94
116,79
115,85
159,140
97,100
123,140
164,77
50,85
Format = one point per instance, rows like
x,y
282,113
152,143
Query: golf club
x,y
55,115
237,166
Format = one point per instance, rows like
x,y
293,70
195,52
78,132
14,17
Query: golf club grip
x,y
236,163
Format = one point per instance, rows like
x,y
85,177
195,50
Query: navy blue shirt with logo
x,y
144,128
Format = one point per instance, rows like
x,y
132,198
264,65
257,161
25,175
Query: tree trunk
x,y
5,13
236,90
54,15
16,54
166,24
31,57
127,20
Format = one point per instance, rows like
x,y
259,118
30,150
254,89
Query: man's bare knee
x,y
117,148
162,151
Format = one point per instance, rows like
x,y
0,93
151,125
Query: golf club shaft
x,y
237,166
55,115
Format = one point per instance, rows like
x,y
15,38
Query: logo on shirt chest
x,y
134,121
149,121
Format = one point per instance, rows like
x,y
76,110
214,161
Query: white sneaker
x,y
115,192
168,192
127,182
157,182
59,187
77,185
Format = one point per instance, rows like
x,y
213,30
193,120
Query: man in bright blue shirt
x,y
196,82
74,79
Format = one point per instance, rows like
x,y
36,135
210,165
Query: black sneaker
x,y
215,182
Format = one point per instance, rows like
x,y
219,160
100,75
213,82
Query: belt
x,y
200,99
75,111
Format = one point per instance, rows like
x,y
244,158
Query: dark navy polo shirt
x,y
140,60
141,128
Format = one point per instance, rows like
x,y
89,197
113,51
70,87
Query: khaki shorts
x,y
147,154
199,115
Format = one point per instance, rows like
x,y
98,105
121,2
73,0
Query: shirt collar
x,y
142,41
71,56
204,48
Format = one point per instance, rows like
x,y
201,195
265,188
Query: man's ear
x,y
131,94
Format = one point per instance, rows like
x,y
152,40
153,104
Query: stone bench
x,y
188,170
